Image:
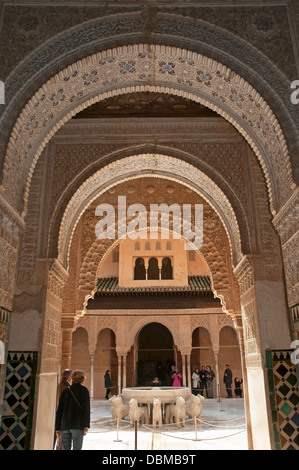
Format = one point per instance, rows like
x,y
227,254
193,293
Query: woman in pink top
x,y
177,377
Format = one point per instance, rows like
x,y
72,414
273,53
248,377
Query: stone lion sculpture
x,y
176,412
157,413
145,416
194,406
118,409
135,412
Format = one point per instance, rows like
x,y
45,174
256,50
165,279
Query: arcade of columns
x,y
247,186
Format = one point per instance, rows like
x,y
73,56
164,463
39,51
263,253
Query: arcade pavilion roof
x,y
196,284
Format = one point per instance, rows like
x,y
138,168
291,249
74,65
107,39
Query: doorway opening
x,y
155,354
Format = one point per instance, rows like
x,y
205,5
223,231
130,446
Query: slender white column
x,y
91,377
184,370
119,375
124,371
189,371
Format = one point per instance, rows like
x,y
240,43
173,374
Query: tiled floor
x,y
223,427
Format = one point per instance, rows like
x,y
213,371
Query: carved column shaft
x,y
66,349
51,343
11,226
286,223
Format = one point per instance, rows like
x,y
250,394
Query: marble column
x,y
124,371
118,374
184,369
216,374
91,377
189,383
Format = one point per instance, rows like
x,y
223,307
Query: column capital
x,y
185,351
121,352
68,322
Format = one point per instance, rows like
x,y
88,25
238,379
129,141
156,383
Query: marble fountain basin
x,y
147,394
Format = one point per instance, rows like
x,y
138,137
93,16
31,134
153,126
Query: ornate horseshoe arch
x,y
146,68
147,165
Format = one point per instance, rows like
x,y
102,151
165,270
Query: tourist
x,y
209,381
228,380
108,383
64,383
156,382
73,413
177,377
170,373
238,389
203,380
195,382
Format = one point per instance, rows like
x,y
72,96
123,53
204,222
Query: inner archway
x,y
155,354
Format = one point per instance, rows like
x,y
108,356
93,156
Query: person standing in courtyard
x,y
228,380
209,381
203,381
177,377
170,373
108,383
73,413
65,382
195,382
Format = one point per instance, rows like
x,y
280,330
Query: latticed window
x,y
153,269
166,272
139,270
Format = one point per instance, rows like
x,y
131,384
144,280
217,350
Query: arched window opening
x,y
137,246
168,246
147,246
166,272
153,269
139,270
158,246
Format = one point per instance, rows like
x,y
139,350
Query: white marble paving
x,y
223,427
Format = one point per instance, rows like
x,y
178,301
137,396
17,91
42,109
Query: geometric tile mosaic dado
x,y
16,425
284,398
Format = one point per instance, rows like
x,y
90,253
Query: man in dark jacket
x,y
73,413
228,380
202,380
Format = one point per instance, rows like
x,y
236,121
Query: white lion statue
x,y
145,417
157,413
118,409
194,406
135,411
176,412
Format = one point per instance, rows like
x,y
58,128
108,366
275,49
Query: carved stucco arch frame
x,y
147,165
152,68
139,150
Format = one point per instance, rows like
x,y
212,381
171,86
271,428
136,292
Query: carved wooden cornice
x,y
97,130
